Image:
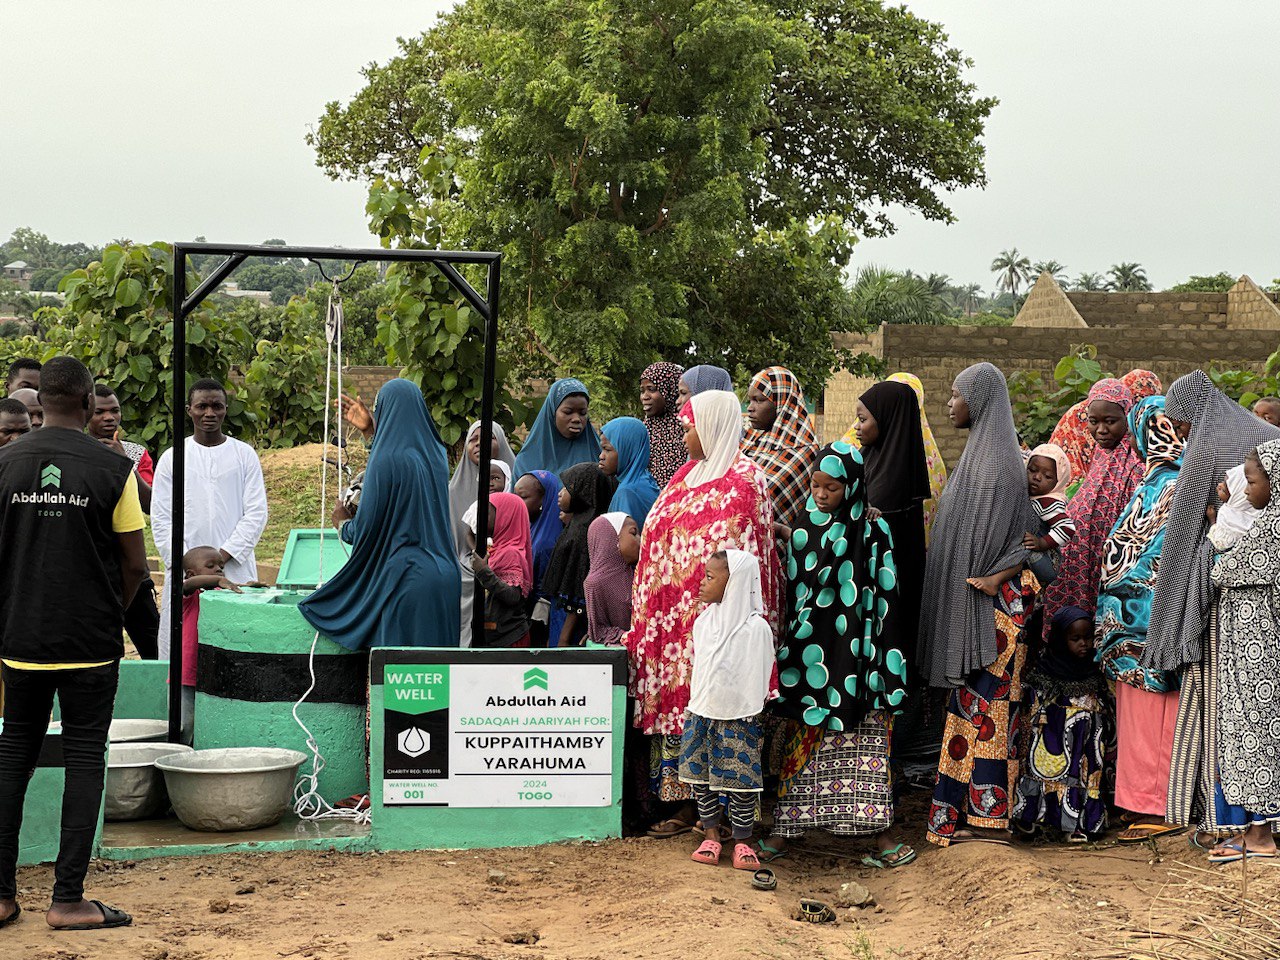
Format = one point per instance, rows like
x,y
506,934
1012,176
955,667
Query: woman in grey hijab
x,y
700,379
1219,433
969,641
462,495
1184,612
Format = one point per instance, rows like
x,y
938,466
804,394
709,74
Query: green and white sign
x,y
497,735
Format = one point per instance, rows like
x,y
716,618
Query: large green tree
x,y
668,178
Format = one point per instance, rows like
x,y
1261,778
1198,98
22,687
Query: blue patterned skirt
x,y
723,755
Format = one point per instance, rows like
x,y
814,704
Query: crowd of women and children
x,y
1090,622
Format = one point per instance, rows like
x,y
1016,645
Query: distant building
x,y
232,289
19,273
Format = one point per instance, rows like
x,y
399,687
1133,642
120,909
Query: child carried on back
x,y
1048,476
734,674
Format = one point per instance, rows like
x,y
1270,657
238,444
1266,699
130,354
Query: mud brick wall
x,y
937,354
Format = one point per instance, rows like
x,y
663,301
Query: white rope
x,y
308,804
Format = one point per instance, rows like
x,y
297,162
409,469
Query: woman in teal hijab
x,y
624,456
401,587
562,436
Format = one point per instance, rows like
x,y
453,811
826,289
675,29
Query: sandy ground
x,y
628,898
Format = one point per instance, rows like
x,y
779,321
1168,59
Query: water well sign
x,y
524,734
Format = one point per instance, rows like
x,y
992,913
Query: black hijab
x,y
896,470
1059,674
589,494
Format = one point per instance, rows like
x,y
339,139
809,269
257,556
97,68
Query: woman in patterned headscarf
x,y
782,440
1184,609
842,669
659,388
1114,471
968,641
1073,435
932,455
1146,700
1245,769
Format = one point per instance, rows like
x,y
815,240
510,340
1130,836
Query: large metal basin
x,y
129,731
135,788
235,788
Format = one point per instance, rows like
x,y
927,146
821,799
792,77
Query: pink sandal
x,y
744,858
708,853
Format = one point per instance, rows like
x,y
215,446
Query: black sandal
x,y
763,879
815,911
17,912
111,918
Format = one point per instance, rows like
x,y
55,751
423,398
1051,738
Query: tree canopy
x,y
671,179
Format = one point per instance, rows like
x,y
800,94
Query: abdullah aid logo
x,y
51,476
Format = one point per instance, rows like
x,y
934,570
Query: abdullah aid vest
x,y
60,589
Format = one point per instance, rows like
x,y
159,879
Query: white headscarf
x,y
717,416
616,520
1235,516
733,655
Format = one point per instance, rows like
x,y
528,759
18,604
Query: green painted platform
x,y
148,839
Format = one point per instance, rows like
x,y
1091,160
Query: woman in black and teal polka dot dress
x,y
842,669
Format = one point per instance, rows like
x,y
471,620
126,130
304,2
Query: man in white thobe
x,y
226,499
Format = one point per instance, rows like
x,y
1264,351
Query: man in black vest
x,y
71,538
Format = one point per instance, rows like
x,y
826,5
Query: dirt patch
x,y
627,898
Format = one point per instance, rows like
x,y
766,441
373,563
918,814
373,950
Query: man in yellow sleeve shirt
x,y
70,515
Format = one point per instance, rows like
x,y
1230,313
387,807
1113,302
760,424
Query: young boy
x,y
14,420
734,674
202,569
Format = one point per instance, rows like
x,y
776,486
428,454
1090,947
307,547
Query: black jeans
x,y
142,621
86,697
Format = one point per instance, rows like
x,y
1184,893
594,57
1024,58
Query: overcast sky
x,y
1126,131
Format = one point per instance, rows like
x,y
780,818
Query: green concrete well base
x,y
253,667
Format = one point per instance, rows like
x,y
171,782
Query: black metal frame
x,y
445,261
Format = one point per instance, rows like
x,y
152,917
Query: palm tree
x,y
972,293
1089,281
1011,270
883,296
937,283
1053,268
1129,277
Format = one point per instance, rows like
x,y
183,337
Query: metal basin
x,y
235,788
129,731
137,731
135,788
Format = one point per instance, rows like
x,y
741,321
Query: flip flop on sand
x,y
768,854
708,853
111,918
1240,854
964,836
898,856
1142,832
11,918
668,829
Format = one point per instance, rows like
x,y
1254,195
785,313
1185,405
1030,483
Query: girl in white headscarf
x,y
734,674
